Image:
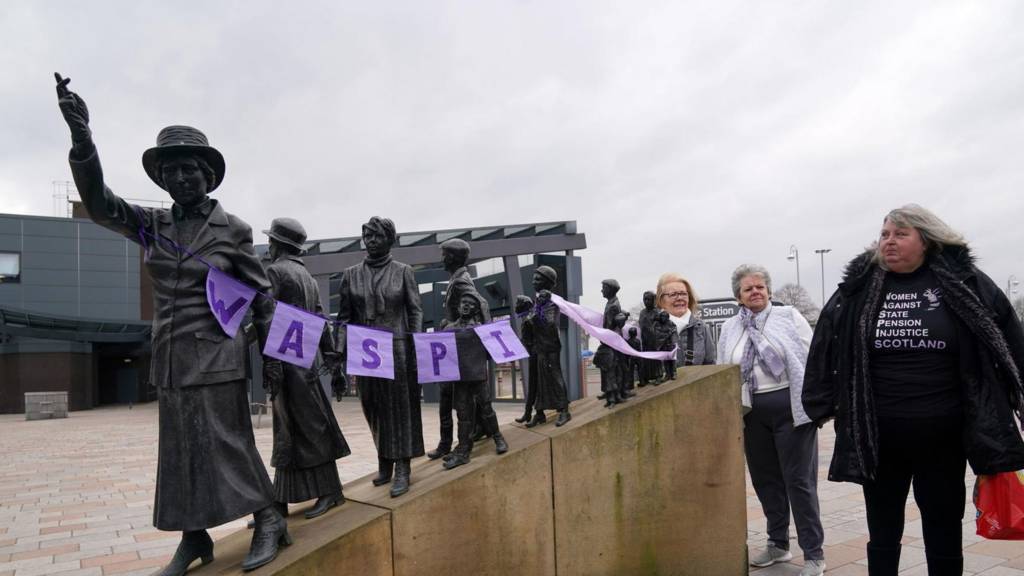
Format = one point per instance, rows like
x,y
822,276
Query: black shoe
x,y
271,533
193,545
458,459
538,418
602,396
385,471
325,503
282,509
525,417
441,451
563,417
402,473
500,445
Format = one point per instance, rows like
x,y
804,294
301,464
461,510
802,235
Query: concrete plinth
x,y
489,517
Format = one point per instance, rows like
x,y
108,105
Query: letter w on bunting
x,y
370,352
294,335
437,358
229,299
501,342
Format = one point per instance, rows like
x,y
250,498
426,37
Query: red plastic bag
x,y
999,499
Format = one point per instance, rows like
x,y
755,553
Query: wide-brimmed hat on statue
x,y
287,231
179,140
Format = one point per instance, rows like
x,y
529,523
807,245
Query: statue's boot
x,y
282,509
526,416
193,545
325,503
602,396
444,446
563,417
610,400
461,454
271,533
494,431
403,471
385,468
538,418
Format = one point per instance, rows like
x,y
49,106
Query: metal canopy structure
x,y
46,326
421,248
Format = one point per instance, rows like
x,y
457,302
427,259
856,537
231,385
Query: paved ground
x,y
76,499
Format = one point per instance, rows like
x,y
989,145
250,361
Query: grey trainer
x,y
770,555
813,568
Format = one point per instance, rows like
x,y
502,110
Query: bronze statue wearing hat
x,y
208,470
307,438
547,385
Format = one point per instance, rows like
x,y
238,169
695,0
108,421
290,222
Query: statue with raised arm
x,y
307,438
382,293
546,380
208,469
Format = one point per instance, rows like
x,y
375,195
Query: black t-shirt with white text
x,y
913,347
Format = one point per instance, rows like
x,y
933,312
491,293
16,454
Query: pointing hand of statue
x,y
76,113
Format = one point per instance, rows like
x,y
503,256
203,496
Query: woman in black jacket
x,y
916,356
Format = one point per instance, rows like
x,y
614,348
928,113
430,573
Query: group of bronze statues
x,y
209,471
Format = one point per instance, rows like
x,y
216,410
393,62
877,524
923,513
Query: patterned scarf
x,y
757,348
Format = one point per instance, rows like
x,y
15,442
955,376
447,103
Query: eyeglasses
x,y
674,295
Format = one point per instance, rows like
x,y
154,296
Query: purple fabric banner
x,y
501,341
370,352
581,316
437,358
228,299
294,335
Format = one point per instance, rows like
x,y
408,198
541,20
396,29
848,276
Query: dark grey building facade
x,y
71,313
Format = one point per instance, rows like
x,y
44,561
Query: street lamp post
x,y
794,254
1011,286
822,252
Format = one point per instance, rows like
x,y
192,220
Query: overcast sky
x,y
686,137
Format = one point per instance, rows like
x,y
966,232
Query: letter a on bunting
x,y
437,359
229,299
294,335
370,352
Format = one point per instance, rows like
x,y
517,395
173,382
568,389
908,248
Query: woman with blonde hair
x,y
676,296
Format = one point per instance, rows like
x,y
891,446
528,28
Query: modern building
x,y
76,303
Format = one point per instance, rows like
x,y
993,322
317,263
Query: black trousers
x,y
783,464
446,402
928,454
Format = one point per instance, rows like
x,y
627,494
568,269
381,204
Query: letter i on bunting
x,y
229,299
437,359
370,352
294,335
501,342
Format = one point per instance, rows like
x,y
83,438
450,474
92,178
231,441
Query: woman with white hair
x,y
917,356
770,344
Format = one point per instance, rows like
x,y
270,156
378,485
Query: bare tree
x,y
797,297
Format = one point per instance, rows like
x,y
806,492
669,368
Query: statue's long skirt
x,y
209,471
392,407
546,375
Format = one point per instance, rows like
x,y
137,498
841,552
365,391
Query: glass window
x,y
10,267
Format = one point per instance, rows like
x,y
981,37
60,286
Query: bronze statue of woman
x,y
382,293
208,469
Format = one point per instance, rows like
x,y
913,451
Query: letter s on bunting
x,y
294,335
369,352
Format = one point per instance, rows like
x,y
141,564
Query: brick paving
x,y
76,499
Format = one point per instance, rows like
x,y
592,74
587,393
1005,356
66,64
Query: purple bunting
x,y
501,341
229,299
583,317
294,335
370,352
437,358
